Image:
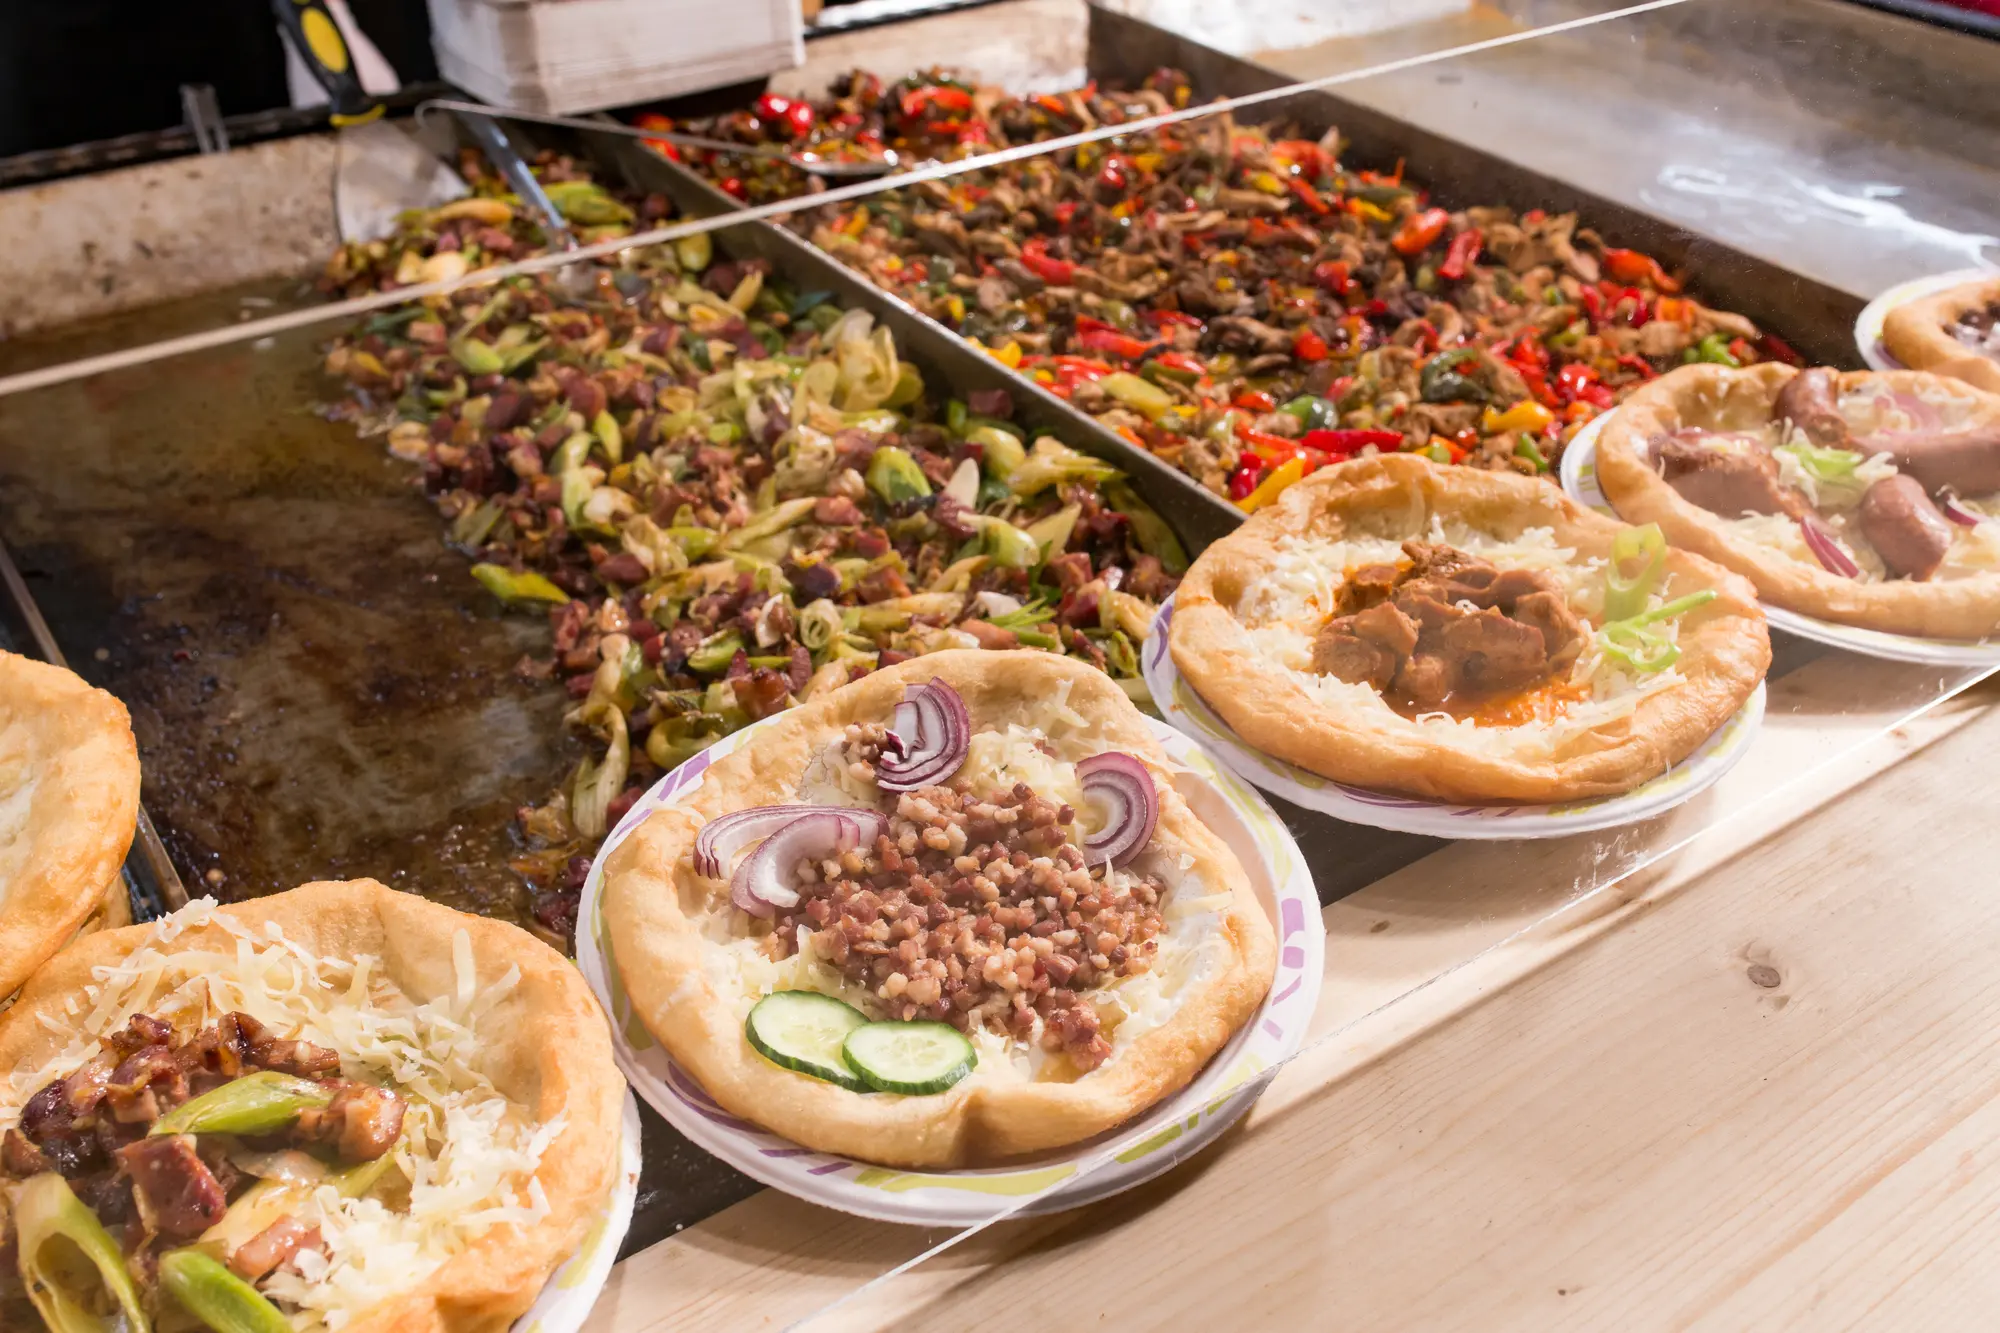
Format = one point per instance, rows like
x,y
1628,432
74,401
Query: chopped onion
x,y
762,885
1821,543
932,733
720,839
1949,506
1123,788
997,603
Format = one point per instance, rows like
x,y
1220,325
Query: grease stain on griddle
x,y
319,688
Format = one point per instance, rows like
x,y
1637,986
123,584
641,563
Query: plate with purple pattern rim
x,y
1120,1159
1579,479
567,1297
1868,324
1179,703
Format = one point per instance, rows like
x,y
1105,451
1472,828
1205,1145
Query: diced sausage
x,y
175,1189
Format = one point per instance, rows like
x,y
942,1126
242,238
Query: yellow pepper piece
x,y
1371,212
1008,356
859,222
955,304
1526,415
1272,486
1268,183
1147,161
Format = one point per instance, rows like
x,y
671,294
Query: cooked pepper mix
x,y
489,227
729,495
1235,299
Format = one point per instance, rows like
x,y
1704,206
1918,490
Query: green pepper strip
x,y
1625,595
216,1296
60,1242
1644,650
258,1103
1439,381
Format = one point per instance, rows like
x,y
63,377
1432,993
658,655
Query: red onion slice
x,y
1923,415
1949,506
1123,787
763,884
721,838
1821,543
931,734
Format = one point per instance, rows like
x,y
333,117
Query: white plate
x,y
1579,478
1172,1131
1181,705
1868,325
572,1289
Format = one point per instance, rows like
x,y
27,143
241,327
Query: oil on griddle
x,y
318,689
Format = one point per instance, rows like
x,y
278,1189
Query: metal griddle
x,y
320,689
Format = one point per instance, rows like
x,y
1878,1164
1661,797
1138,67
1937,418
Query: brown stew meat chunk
x,y
1452,626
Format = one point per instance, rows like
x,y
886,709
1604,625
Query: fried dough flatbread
x,y
1964,605
69,802
1920,334
542,1043
1245,615
672,934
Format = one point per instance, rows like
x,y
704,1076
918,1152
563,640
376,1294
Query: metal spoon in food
x,y
810,163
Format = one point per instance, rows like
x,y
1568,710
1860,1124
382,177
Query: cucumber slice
x,y
911,1058
803,1030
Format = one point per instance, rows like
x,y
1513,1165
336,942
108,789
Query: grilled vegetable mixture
x,y
727,496
1235,299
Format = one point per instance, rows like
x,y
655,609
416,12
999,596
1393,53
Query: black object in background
x,y
72,71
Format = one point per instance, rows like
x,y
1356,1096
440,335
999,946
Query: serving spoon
x,y
810,163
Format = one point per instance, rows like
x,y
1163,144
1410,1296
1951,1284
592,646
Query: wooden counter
x,y
1750,1084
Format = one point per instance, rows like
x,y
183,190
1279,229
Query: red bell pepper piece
x,y
1347,443
1159,319
1578,383
1255,400
800,118
1244,480
1777,349
1419,231
653,120
1631,266
1592,302
1309,346
1183,362
1111,341
771,108
1309,196
1742,351
1036,259
1112,174
1073,370
1638,365
1464,248
734,188
1270,448
952,102
1333,276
